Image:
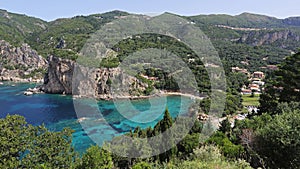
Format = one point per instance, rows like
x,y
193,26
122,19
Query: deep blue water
x,y
101,120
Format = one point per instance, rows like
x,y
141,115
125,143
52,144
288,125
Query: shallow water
x,y
101,120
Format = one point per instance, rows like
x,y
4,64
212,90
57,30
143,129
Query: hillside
x,y
70,33
15,28
247,20
247,40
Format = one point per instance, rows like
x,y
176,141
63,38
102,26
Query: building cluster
x,y
256,81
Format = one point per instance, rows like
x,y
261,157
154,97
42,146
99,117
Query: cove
x,y
57,112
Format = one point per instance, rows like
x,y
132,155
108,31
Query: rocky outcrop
x,y
58,78
68,77
258,38
292,21
20,63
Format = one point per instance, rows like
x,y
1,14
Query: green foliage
x,y
188,144
110,62
15,28
208,153
288,77
166,122
232,104
26,146
74,32
283,87
235,81
142,165
242,20
287,107
169,44
64,54
208,157
248,100
229,149
96,158
233,54
225,126
279,141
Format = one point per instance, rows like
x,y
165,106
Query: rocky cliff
x,y
67,77
58,78
285,38
20,63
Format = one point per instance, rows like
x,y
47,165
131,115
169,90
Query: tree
x,y
188,144
142,165
288,77
279,141
163,126
229,149
96,158
283,87
167,121
225,126
27,146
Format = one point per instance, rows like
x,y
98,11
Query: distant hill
x,y
246,40
15,28
70,33
247,20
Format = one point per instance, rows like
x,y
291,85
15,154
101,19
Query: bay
x,y
111,118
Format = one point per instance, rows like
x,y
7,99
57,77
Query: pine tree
x,y
284,87
225,126
167,121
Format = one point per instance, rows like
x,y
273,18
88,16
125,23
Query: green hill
x,y
70,33
15,28
245,37
247,20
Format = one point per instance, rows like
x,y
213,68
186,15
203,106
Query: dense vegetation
x,y
72,33
16,28
268,139
283,86
26,146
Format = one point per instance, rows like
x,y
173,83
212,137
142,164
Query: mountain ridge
x,y
66,36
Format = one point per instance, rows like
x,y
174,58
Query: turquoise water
x,y
101,120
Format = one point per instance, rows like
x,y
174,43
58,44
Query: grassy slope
x,y
250,101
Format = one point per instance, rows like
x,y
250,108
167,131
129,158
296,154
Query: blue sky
x,y
53,9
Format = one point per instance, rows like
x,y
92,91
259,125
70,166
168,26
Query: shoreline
x,y
21,80
106,97
100,97
184,94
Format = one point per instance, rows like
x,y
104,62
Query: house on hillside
x,y
272,67
246,91
240,70
260,83
259,75
254,87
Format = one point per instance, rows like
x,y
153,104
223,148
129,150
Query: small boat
x,y
1,83
28,93
82,119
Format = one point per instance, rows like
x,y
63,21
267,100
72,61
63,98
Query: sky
x,y
52,9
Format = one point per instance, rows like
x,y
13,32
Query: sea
x,y
93,121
